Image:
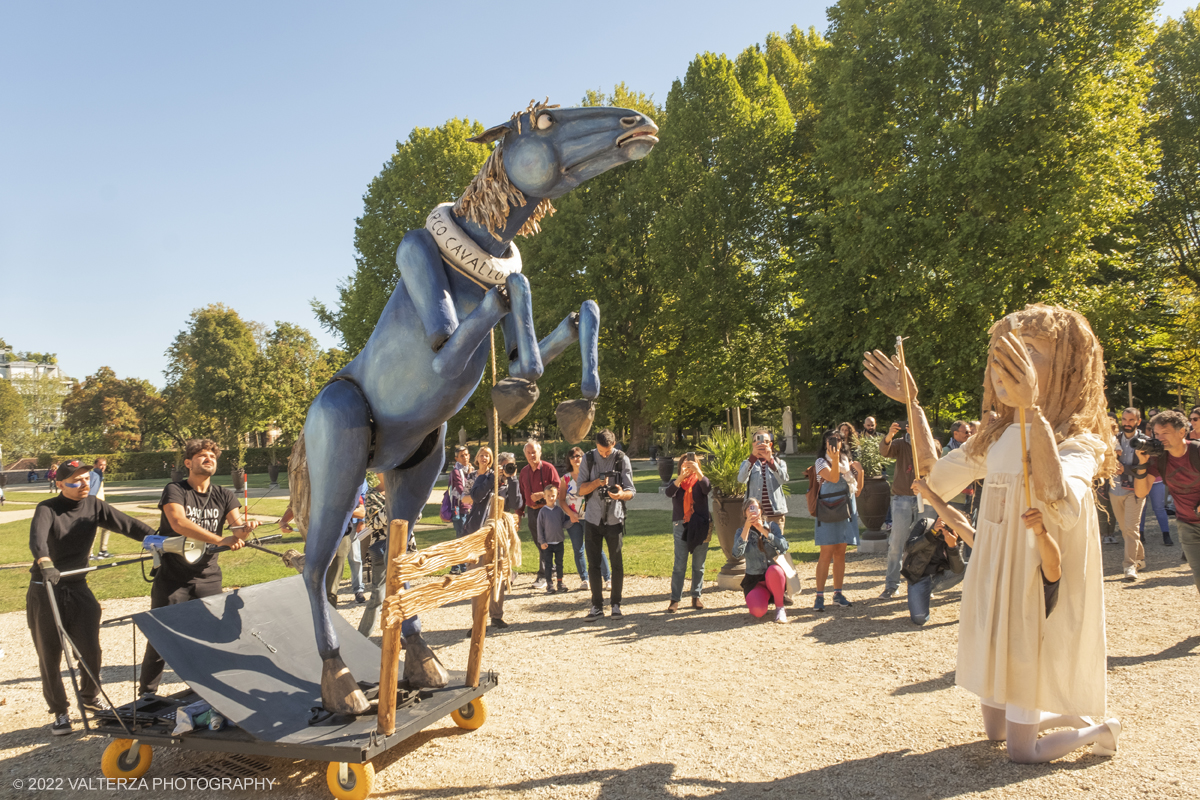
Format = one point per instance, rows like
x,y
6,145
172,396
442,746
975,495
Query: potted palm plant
x,y
724,453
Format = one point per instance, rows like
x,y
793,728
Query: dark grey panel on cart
x,y
252,654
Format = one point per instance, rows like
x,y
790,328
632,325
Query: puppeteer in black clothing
x,y
60,538
198,509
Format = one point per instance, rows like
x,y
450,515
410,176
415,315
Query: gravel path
x,y
851,703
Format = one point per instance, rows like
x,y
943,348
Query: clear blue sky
x,y
158,157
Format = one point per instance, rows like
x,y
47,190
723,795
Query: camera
x,y
510,468
1144,444
611,486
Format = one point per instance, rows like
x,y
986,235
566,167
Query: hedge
x,y
140,466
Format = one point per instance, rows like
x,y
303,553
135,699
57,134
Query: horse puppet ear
x,y
492,134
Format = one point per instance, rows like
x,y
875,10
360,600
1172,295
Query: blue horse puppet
x,y
460,276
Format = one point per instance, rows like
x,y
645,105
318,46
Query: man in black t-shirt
x,y
60,538
198,509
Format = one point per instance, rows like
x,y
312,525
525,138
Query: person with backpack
x,y
606,480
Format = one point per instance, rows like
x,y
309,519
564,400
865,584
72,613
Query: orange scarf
x,y
689,502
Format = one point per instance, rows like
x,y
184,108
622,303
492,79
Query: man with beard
x,y
1127,506
198,509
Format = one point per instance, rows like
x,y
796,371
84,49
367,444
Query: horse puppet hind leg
x,y
575,416
408,487
337,437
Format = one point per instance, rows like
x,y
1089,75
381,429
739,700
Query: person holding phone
x,y
764,476
837,518
760,542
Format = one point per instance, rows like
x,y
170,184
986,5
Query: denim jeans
x,y
919,593
378,556
904,516
681,558
581,563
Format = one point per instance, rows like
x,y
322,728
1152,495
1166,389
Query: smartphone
x,y
762,438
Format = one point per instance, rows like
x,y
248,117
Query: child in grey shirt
x,y
550,524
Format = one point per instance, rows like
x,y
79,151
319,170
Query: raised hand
x,y
1013,371
884,373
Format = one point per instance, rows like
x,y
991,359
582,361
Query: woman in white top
x,y
1031,672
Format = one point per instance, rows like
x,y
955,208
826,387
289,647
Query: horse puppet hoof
x,y
575,419
339,691
422,669
513,398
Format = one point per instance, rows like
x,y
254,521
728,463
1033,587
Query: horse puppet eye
x,y
545,122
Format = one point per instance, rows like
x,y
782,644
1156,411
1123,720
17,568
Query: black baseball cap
x,y
70,469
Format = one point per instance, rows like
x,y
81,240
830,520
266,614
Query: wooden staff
x,y
909,414
389,671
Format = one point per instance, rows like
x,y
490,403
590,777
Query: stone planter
x,y
239,480
178,474
666,468
653,451
273,473
727,518
872,511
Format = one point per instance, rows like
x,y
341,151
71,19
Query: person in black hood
x,y
60,538
933,562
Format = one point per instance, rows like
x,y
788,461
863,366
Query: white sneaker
x,y
1131,573
781,616
887,526
585,586
539,584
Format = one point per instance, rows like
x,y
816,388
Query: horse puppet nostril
x,y
629,122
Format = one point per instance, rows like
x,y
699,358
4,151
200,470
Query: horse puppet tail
x,y
299,486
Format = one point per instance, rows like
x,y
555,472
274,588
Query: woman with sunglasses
x,y
573,505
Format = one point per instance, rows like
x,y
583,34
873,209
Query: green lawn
x,y
648,550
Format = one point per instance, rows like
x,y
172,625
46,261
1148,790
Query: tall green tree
x,y
294,368
1173,215
105,414
42,396
720,245
13,418
973,154
434,165
217,359
596,247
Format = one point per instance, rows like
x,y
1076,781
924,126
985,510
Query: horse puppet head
x,y
545,152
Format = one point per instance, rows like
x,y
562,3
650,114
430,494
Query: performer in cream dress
x,y
1031,672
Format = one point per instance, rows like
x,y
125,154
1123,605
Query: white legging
x,y
1025,747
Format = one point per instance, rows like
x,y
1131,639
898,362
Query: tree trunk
x,y
640,432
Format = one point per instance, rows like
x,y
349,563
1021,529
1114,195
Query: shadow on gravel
x,y
931,685
942,774
1182,650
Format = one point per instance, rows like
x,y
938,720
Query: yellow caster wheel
x,y
472,715
119,762
360,780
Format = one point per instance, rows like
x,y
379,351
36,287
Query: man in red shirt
x,y
534,479
1179,468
